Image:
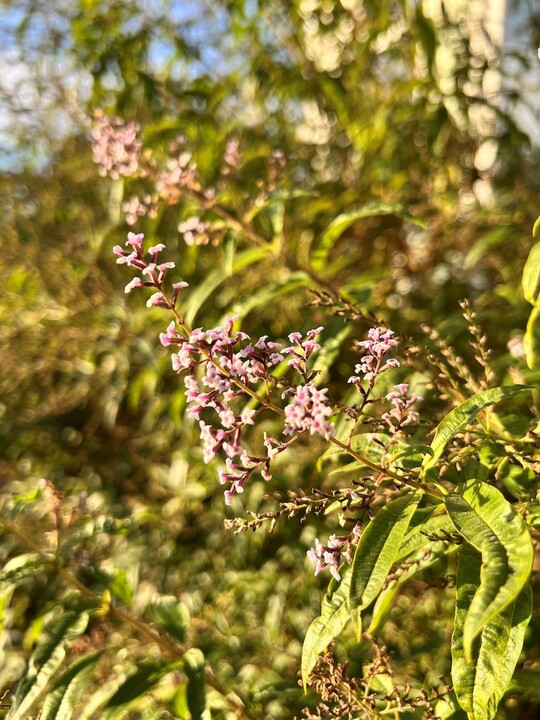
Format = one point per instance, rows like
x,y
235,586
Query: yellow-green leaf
x,y
489,523
464,414
481,680
530,280
378,548
338,226
335,612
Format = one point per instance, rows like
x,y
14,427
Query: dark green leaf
x,y
196,695
171,615
338,226
145,677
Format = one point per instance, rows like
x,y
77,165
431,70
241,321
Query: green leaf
x,y
229,268
21,567
194,664
426,553
270,292
61,700
47,657
481,680
536,228
329,352
378,548
335,612
423,525
496,236
464,414
530,280
145,677
171,615
530,339
338,226
490,524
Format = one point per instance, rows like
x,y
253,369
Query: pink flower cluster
x,y
135,208
195,231
230,365
372,364
334,553
179,173
224,370
302,350
154,271
116,149
308,410
401,413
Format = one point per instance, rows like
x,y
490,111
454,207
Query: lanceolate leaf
x,y
269,293
61,699
422,536
530,339
378,548
145,677
19,568
49,654
530,280
335,613
491,525
171,615
424,556
194,666
338,226
464,414
481,680
202,292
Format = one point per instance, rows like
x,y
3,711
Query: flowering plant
x,y
425,518
396,469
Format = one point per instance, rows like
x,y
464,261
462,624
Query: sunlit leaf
x,y
335,613
60,701
47,657
378,548
213,280
530,280
270,292
463,414
481,679
530,339
491,525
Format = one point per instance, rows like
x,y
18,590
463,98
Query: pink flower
x,y
373,364
135,241
135,283
308,411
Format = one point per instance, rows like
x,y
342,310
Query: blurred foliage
x,y
335,106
